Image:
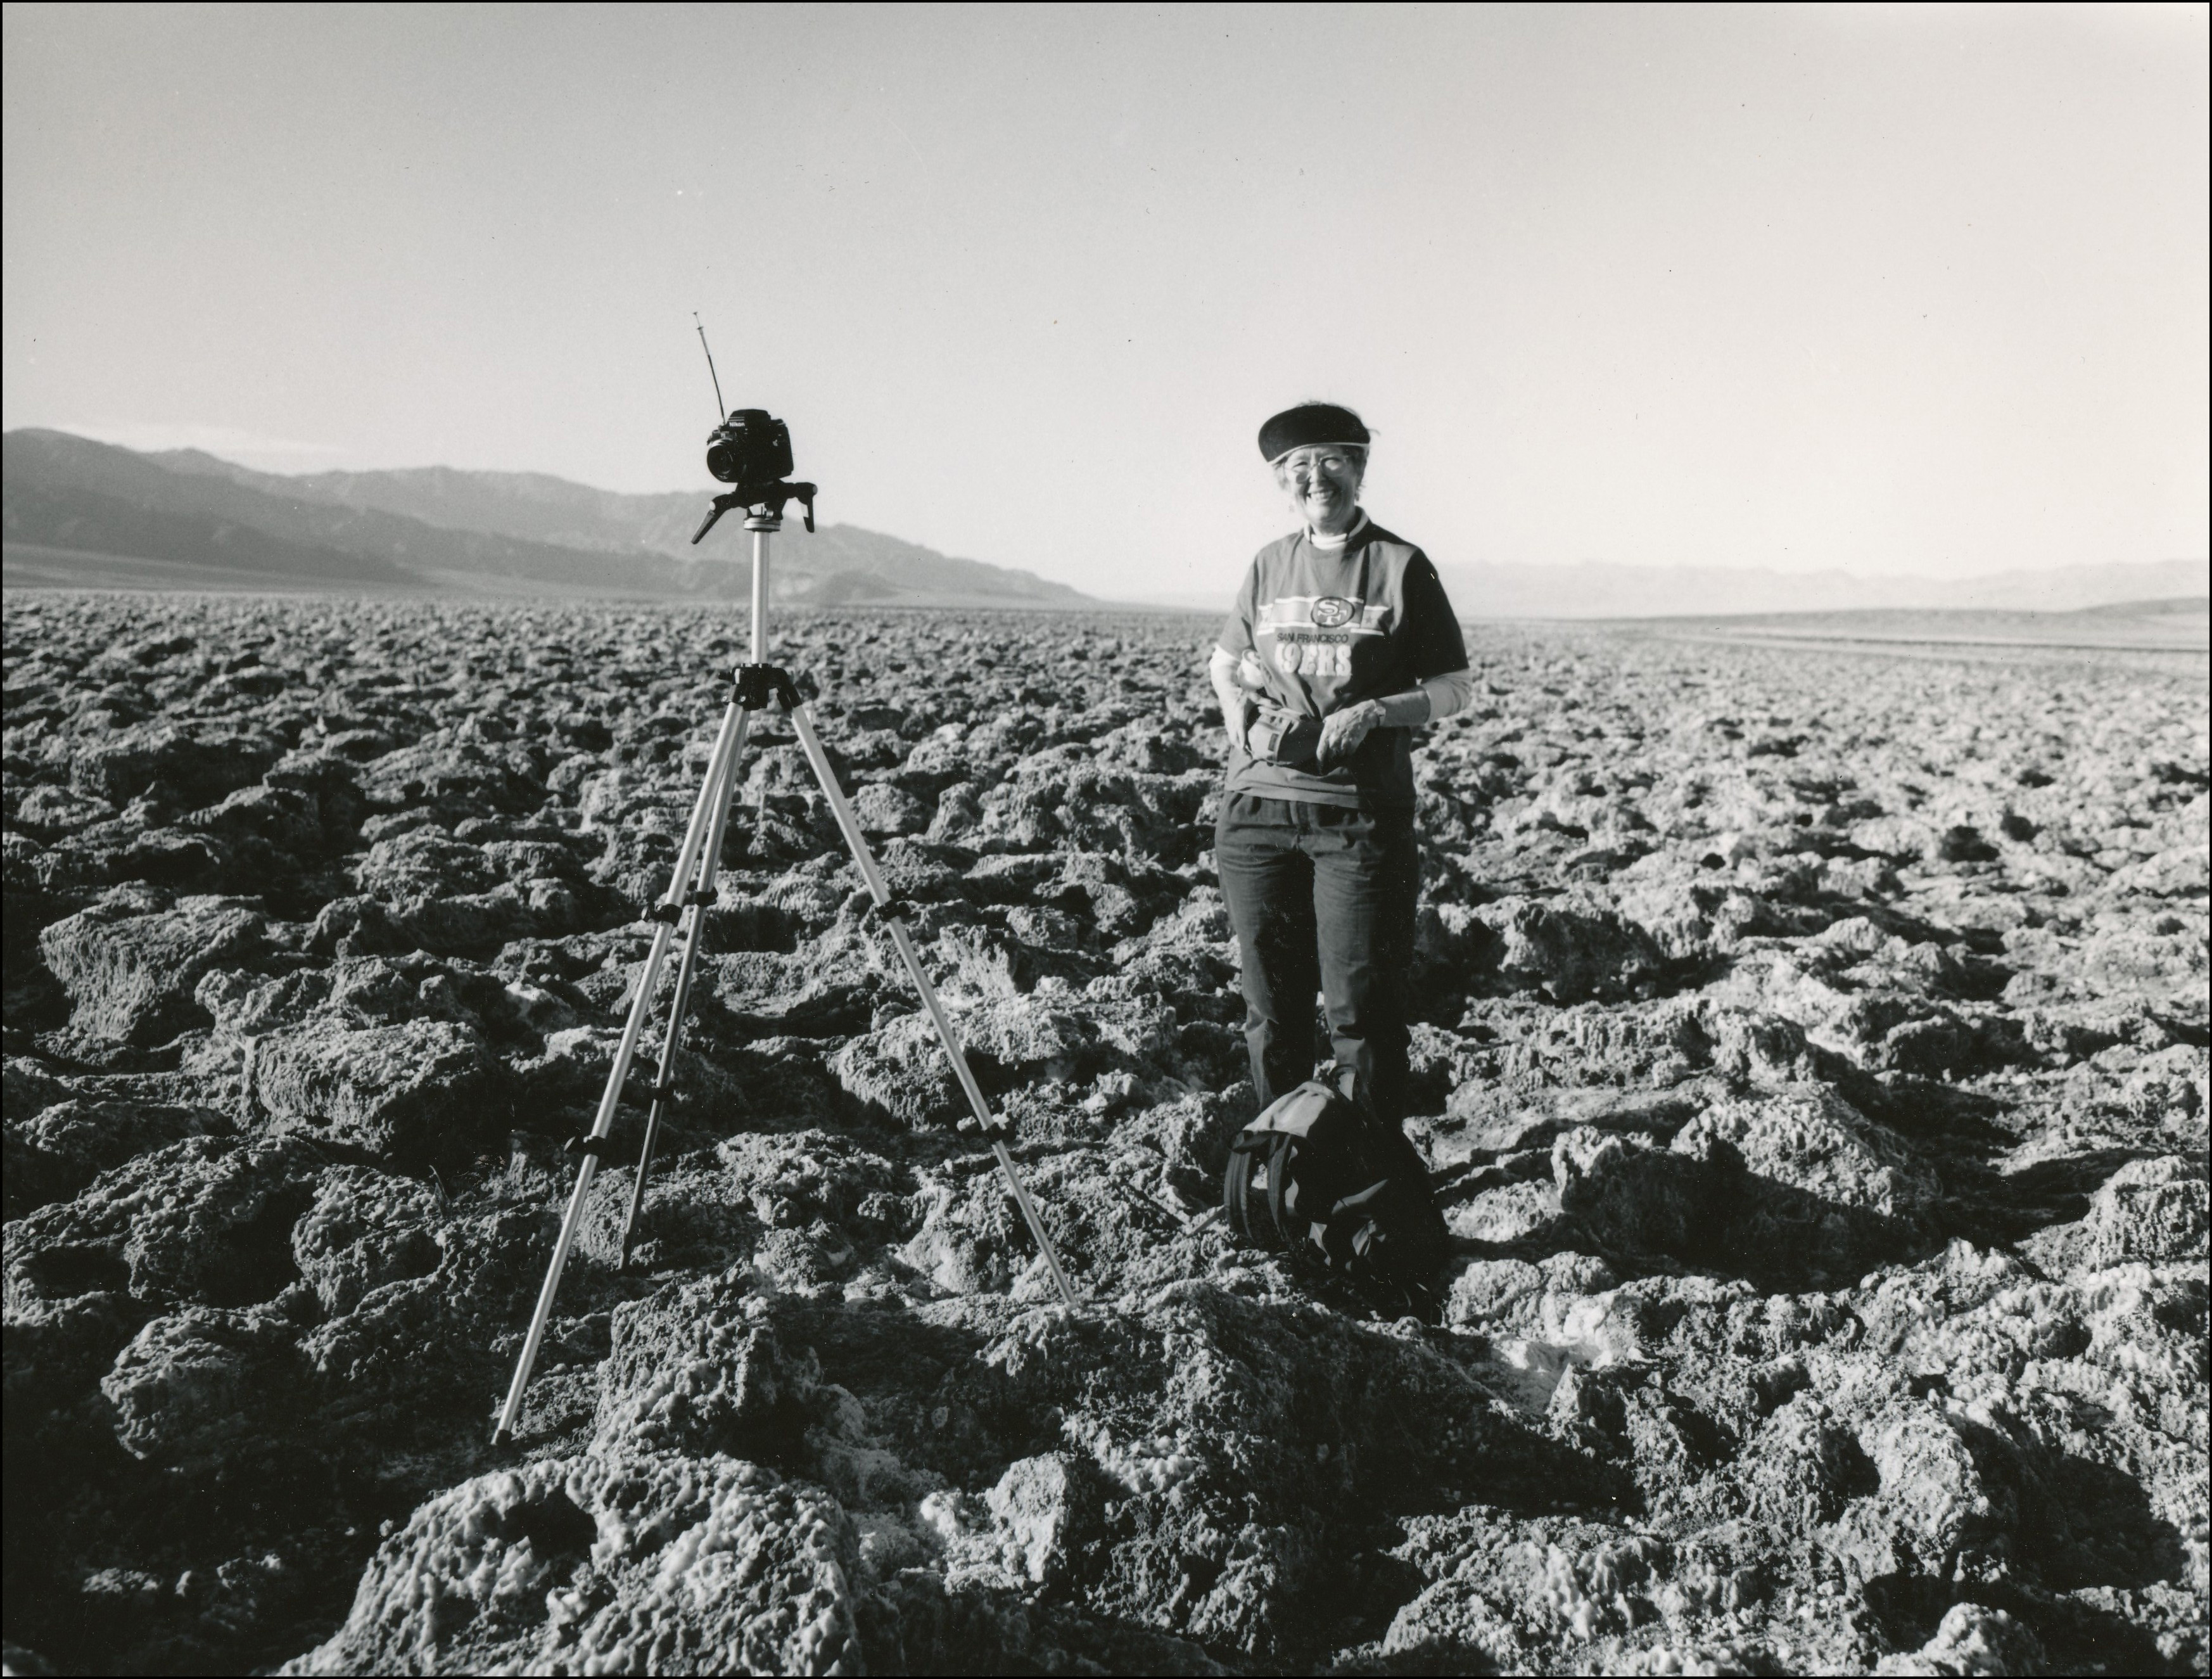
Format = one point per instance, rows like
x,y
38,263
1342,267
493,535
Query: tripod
x,y
680,919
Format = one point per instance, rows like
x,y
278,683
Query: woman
x,y
1342,643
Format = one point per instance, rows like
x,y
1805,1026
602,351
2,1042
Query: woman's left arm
x,y
1437,643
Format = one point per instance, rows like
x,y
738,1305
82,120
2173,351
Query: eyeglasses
x,y
1304,469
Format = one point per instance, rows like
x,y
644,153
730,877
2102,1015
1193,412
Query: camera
x,y
751,448
751,452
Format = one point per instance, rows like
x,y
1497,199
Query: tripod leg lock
x,y
622,1140
670,910
756,684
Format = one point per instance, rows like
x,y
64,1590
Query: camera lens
x,y
751,448
724,459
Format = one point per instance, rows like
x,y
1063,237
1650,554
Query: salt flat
x,y
1812,1053
2179,626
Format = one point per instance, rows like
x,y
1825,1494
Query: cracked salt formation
x,y
1811,1056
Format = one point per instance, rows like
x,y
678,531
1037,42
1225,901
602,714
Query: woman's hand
x,y
1342,731
1236,707
1237,721
1250,685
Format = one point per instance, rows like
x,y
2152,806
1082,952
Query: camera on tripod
x,y
751,448
751,451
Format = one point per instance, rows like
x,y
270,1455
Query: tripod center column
x,y
762,527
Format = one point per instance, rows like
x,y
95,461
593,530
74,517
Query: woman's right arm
x,y
1231,648
1236,707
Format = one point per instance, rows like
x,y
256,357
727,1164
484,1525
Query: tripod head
x,y
767,499
752,450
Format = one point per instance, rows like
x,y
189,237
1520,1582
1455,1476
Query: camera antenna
x,y
711,374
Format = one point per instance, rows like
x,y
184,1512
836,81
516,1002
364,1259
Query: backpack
x,y
1317,1179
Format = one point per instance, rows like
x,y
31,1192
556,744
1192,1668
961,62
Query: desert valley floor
x,y
1811,1058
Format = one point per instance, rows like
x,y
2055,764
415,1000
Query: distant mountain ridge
x,y
436,529
85,512
1596,590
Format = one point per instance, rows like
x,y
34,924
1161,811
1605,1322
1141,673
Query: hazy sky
x,y
1890,288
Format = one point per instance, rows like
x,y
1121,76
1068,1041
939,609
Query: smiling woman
x,y
1342,643
1323,481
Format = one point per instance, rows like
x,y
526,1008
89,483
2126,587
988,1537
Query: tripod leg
x,y
695,917
718,767
879,889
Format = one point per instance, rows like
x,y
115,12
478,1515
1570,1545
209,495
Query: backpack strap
x,y
1279,1175
1236,1184
1258,1160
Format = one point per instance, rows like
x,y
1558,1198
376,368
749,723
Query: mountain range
x,y
81,512
1595,589
84,513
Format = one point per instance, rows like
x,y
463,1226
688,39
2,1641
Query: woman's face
x,y
1322,481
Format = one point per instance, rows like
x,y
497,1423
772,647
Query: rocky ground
x,y
1812,1056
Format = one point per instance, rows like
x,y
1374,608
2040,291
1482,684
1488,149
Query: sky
x,y
1893,289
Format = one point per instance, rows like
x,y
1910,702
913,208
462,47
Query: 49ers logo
x,y
1312,636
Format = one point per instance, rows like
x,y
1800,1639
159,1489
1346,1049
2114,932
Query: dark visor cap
x,y
1307,424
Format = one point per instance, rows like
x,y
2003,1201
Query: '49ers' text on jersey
x,y
1313,635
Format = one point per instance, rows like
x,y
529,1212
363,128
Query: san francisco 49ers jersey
x,y
1334,626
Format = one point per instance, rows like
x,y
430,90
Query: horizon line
x,y
1552,566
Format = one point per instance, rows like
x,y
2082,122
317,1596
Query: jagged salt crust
x,y
1811,1055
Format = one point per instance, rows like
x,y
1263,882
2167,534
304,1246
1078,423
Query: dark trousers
x,y
1322,898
